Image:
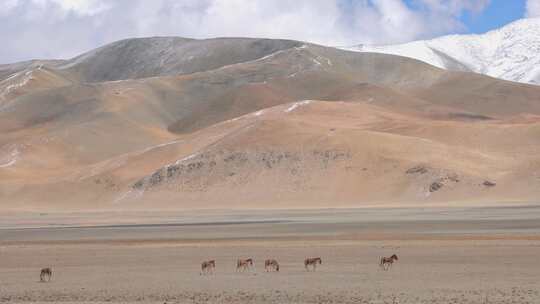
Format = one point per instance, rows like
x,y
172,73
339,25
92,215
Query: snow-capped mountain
x,y
511,52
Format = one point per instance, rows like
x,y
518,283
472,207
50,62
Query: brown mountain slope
x,y
88,145
314,153
346,154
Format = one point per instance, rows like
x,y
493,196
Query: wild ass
x,y
207,267
45,273
242,265
270,265
312,262
385,263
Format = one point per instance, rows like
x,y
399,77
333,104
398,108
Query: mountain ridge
x,y
511,52
287,123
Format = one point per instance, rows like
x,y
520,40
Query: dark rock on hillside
x,y
489,184
418,169
435,186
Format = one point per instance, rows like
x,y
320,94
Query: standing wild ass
x,y
207,267
243,265
45,273
312,262
271,264
385,263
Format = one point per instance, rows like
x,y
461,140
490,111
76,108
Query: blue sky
x,y
65,28
497,14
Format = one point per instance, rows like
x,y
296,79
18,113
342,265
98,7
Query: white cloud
x,y
65,28
533,8
79,7
442,16
455,6
7,6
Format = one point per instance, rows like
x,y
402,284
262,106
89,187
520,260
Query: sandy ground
x,y
480,255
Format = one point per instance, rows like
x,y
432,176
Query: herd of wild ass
x,y
208,267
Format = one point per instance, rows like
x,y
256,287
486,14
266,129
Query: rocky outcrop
x,y
489,183
417,170
435,186
436,178
197,172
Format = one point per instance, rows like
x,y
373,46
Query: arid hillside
x,y
258,123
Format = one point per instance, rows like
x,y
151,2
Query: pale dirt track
x,y
458,256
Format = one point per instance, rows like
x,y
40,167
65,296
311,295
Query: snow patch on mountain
x,y
296,105
11,86
10,158
131,194
511,52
